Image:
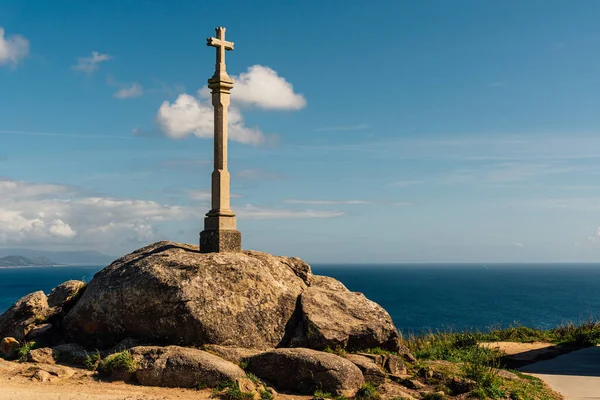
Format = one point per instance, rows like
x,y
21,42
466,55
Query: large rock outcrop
x,y
171,293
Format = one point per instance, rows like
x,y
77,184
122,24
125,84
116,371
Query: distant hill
x,y
80,257
20,261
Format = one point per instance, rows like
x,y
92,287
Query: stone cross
x,y
220,234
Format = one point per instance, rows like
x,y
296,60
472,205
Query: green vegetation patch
x,y
230,390
122,361
24,349
321,395
340,351
367,392
92,361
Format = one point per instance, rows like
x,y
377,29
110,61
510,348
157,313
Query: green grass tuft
x,y
122,361
340,351
319,395
24,349
253,378
230,390
265,395
92,361
367,392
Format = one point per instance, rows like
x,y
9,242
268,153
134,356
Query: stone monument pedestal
x,y
220,241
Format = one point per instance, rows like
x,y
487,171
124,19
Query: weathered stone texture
x,y
371,371
230,353
220,241
335,317
9,347
304,371
70,353
171,293
44,355
65,292
174,366
23,316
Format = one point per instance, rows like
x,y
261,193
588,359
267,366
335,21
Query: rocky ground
x,y
237,326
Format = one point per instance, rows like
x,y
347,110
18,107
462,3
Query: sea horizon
x,y
419,297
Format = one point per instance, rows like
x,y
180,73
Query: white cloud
x,y
32,214
187,115
91,64
518,244
13,48
252,212
135,90
326,202
262,87
343,128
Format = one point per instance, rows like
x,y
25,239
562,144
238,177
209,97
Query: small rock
x,y
64,293
9,347
394,365
174,366
460,385
378,359
70,354
232,354
425,373
413,384
39,330
247,386
372,373
304,371
405,353
58,371
44,355
506,374
125,344
41,376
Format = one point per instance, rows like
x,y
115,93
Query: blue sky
x,y
429,131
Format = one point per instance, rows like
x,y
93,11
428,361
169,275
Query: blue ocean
x,y
420,297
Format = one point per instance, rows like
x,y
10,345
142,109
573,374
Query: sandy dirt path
x,y
16,383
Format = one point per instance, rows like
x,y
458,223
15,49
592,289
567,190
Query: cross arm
x,y
214,42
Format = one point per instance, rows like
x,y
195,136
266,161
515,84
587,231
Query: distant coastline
x,y
53,265
35,266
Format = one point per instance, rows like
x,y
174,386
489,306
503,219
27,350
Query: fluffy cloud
x,y
253,212
188,115
135,90
53,214
13,48
91,64
327,202
260,86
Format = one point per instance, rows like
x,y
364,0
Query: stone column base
x,y
220,241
